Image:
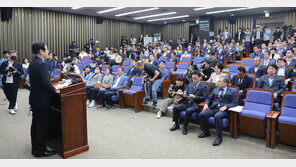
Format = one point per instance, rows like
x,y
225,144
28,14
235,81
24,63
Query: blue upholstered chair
x,y
186,59
85,58
81,67
293,89
181,68
56,72
134,95
170,65
163,58
248,62
114,69
126,63
164,87
198,61
87,62
104,67
259,103
253,76
126,69
233,69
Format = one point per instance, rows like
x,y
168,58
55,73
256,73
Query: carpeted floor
x,y
123,134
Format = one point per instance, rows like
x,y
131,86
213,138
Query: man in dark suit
x,y
40,99
220,100
196,93
153,61
256,53
243,82
257,69
258,36
133,71
173,58
282,70
289,58
239,36
11,70
192,39
213,61
272,82
221,53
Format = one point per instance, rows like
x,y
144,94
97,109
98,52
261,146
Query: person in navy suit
x,y
120,82
257,69
272,82
196,93
256,53
173,58
133,71
243,82
165,72
220,100
12,71
40,99
282,70
289,58
230,51
221,53
153,61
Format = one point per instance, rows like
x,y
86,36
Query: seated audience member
x,y
230,51
196,92
266,60
214,78
272,82
166,52
120,82
68,67
185,55
146,61
155,78
82,54
243,82
221,52
175,93
285,71
106,82
95,78
133,71
107,51
76,60
257,69
216,105
273,55
165,72
152,60
173,58
289,58
57,61
206,71
263,48
50,63
105,58
87,73
256,53
213,61
188,74
116,59
25,64
98,61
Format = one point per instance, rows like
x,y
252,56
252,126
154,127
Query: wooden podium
x,y
67,126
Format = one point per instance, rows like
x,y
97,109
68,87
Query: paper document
x,y
237,109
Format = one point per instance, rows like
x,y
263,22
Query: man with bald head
x,y
257,69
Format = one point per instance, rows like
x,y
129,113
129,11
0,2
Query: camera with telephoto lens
x,y
146,80
11,69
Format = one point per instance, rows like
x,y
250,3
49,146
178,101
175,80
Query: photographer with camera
x,y
205,70
153,80
11,70
70,67
188,73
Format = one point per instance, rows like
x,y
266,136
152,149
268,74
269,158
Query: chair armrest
x,y
275,115
202,104
140,91
269,115
108,87
120,90
179,101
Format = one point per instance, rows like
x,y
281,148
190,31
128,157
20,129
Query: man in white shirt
x,y
70,68
82,54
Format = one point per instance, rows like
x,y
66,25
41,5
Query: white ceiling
x,y
193,14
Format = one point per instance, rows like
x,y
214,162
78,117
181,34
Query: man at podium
x,y
41,90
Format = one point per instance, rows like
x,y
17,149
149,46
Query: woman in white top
x,y
214,78
25,64
185,54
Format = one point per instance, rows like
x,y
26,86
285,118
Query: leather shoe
x,y
102,106
154,104
217,141
204,134
175,127
146,101
43,154
184,130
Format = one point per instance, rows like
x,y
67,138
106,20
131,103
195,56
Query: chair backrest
x,y
126,63
86,58
289,105
208,86
260,100
104,67
80,66
163,58
182,66
227,74
114,69
126,69
198,61
248,62
87,62
186,59
170,65
137,84
253,76
56,71
233,69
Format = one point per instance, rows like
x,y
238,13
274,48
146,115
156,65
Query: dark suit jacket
x,y
133,72
41,88
229,99
242,36
261,35
200,93
222,54
246,83
278,85
175,59
16,76
155,63
292,63
193,39
289,73
260,72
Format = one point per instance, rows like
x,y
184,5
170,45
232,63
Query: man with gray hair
x,y
11,70
220,100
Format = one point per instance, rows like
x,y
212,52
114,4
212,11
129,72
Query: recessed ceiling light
x,y
74,8
203,8
230,10
232,15
183,20
168,18
137,11
109,10
164,22
155,15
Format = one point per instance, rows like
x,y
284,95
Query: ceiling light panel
x,y
137,11
155,15
168,18
109,10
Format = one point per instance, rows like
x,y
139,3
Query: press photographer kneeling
x,y
70,67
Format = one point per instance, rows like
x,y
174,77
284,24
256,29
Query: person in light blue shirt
x,y
266,35
87,74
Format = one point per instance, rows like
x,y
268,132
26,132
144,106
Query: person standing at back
x,y
39,99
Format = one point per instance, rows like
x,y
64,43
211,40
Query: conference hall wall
x,y
59,29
